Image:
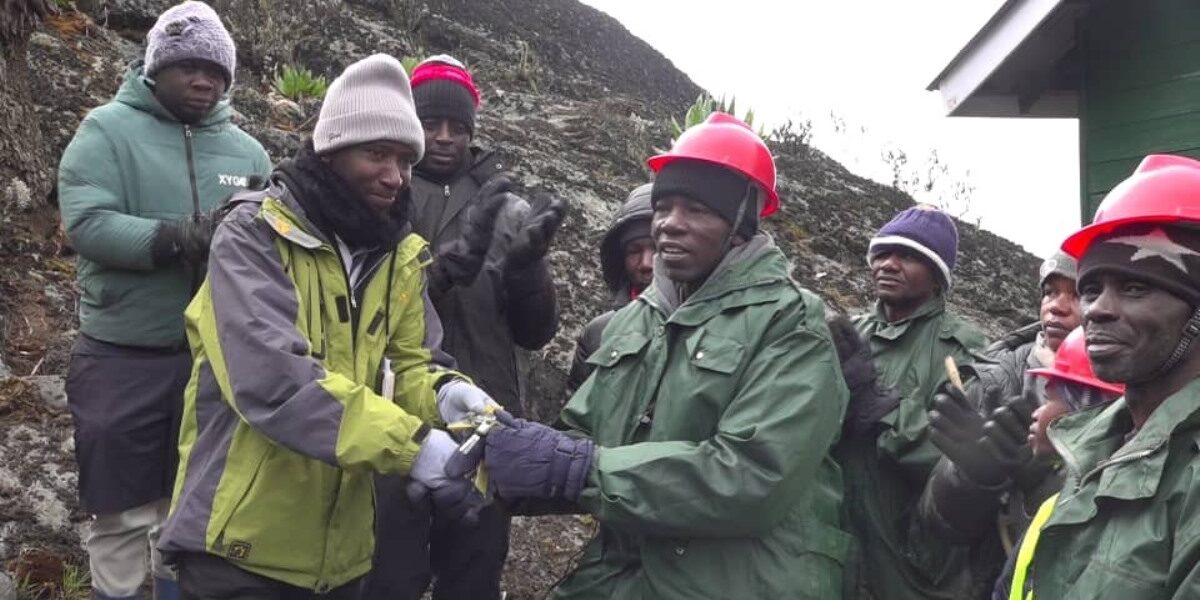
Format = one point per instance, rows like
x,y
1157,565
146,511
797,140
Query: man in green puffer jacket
x,y
887,456
701,441
136,185
317,363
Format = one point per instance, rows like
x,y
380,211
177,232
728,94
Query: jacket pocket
x,y
614,349
712,352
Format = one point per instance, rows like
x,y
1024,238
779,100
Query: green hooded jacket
x,y
900,557
1127,522
713,420
130,166
284,424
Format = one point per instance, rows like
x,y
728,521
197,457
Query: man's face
x,y
189,88
689,238
446,146
1045,414
1132,327
375,170
902,278
639,262
1060,312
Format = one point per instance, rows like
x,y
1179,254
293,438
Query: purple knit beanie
x,y
924,229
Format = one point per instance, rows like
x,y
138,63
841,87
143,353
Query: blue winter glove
x,y
457,400
525,459
454,497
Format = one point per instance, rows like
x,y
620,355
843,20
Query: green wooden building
x,y
1129,70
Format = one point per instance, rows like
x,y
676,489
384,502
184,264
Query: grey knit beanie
x,y
371,100
191,30
1060,264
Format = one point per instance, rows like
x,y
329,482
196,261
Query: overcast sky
x,y
869,61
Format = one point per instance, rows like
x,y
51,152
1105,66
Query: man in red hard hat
x,y
1127,523
701,441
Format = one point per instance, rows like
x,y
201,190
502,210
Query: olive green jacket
x,y
900,558
1127,522
713,422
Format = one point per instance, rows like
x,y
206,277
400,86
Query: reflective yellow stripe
x,y
1028,546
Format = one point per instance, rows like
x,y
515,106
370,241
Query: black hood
x,y
612,261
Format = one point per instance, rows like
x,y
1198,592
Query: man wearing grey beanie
x,y
136,186
317,363
962,500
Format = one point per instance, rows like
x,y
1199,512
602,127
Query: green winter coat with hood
x,y
886,473
713,419
284,424
130,166
1126,525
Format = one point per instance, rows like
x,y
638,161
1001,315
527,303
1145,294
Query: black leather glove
x,y
1006,433
533,240
458,261
957,429
186,239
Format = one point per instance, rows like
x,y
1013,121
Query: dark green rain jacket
x,y
713,420
1127,522
899,557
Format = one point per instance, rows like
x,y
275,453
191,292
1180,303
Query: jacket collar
x,y
484,164
136,92
742,278
896,330
1094,446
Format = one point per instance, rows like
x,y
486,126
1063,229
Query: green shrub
x,y
409,63
298,83
706,105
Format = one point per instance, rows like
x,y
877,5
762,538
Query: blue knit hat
x,y
924,229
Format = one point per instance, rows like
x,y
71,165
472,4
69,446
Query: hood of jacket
x,y
137,92
612,259
670,294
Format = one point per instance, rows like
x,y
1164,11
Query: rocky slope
x,y
573,99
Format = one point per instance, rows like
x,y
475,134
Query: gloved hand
x,y
457,400
868,404
533,240
1006,433
454,497
957,429
525,459
186,239
458,261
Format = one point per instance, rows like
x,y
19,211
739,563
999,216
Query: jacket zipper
x,y
197,274
191,163
1116,460
446,191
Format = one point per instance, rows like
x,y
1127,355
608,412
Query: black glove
x,y
186,239
533,240
957,429
987,451
1006,433
458,261
868,403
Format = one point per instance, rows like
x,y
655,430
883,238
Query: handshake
x,y
523,459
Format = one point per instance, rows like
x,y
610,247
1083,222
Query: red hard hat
x,y
725,140
1071,363
1164,189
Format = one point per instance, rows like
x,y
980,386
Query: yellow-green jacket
x,y
283,422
